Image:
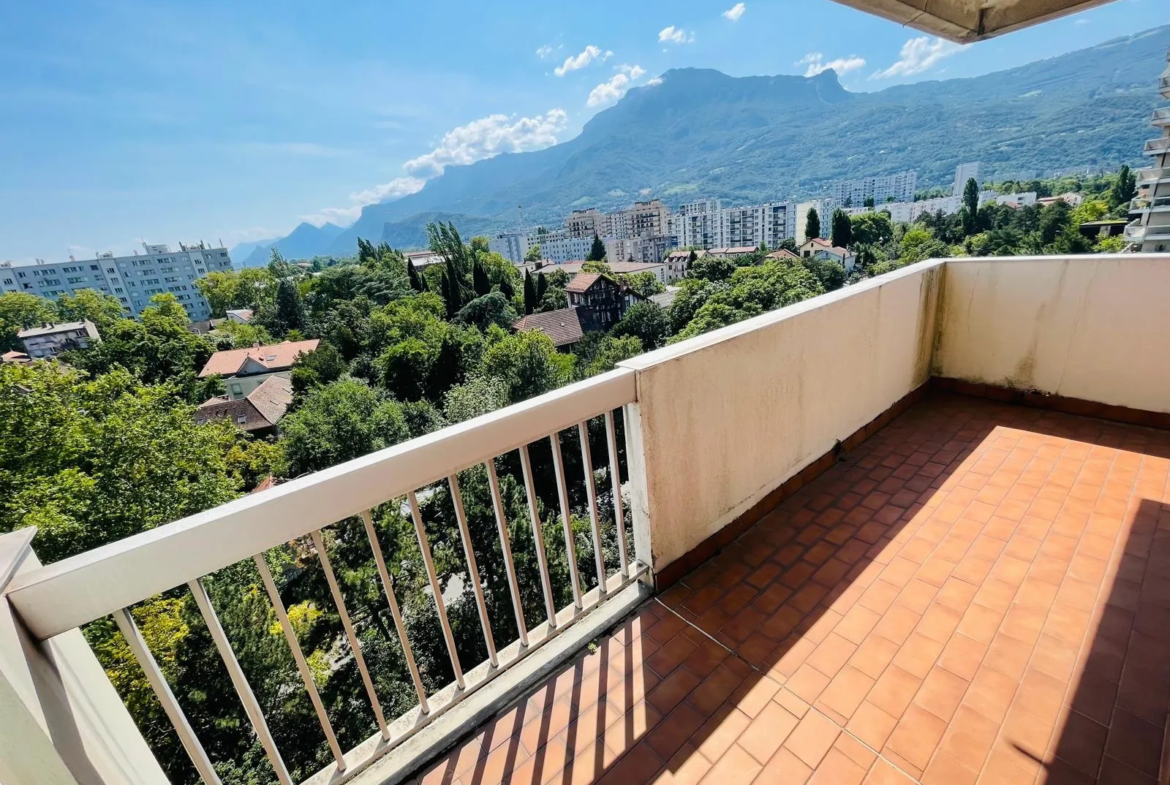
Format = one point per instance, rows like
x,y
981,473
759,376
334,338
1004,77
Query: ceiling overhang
x,y
967,21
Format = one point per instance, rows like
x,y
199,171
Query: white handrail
x,y
85,587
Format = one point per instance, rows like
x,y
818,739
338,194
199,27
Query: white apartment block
x,y
824,208
963,173
513,246
559,247
899,187
697,224
133,280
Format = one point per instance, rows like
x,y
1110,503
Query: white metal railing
x,y
109,580
1147,203
1161,117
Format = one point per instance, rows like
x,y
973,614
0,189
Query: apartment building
x,y
963,173
697,224
824,208
899,187
586,223
560,247
513,246
133,280
1150,231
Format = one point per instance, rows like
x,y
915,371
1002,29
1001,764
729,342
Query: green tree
x,y
341,421
842,229
831,274
1124,189
613,350
533,254
492,308
530,298
92,460
479,279
645,321
317,368
597,266
542,286
713,268
19,310
289,312
812,224
645,284
101,309
752,291
868,202
416,282
971,205
597,251
527,364
871,228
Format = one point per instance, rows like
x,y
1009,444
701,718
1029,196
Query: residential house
x,y
1070,198
240,315
782,253
824,250
563,326
16,358
243,370
604,300
259,412
51,339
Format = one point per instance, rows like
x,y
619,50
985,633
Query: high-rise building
x,y
133,280
697,224
963,173
899,187
513,246
586,223
1150,231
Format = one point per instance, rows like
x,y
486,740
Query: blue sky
x,y
126,121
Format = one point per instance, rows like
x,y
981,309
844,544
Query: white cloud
x,y
479,139
735,12
614,88
577,62
653,82
918,55
544,51
842,65
675,35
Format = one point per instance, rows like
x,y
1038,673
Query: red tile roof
x,y
277,357
783,253
563,326
262,408
582,282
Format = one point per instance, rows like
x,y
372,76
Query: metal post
x,y
473,570
506,548
563,490
436,590
538,535
615,477
591,496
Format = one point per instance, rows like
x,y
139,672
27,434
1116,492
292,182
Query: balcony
x,y
1136,232
912,528
1152,176
1157,146
1145,204
1161,117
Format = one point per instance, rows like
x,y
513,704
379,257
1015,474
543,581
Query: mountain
x,y
244,250
701,133
304,242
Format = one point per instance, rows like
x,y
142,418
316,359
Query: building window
x,y
243,418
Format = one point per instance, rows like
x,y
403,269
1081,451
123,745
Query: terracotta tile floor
x,y
980,593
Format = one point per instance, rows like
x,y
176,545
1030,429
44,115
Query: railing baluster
x,y
615,477
290,635
429,561
399,624
591,496
506,548
538,535
171,706
473,570
247,697
563,495
354,645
